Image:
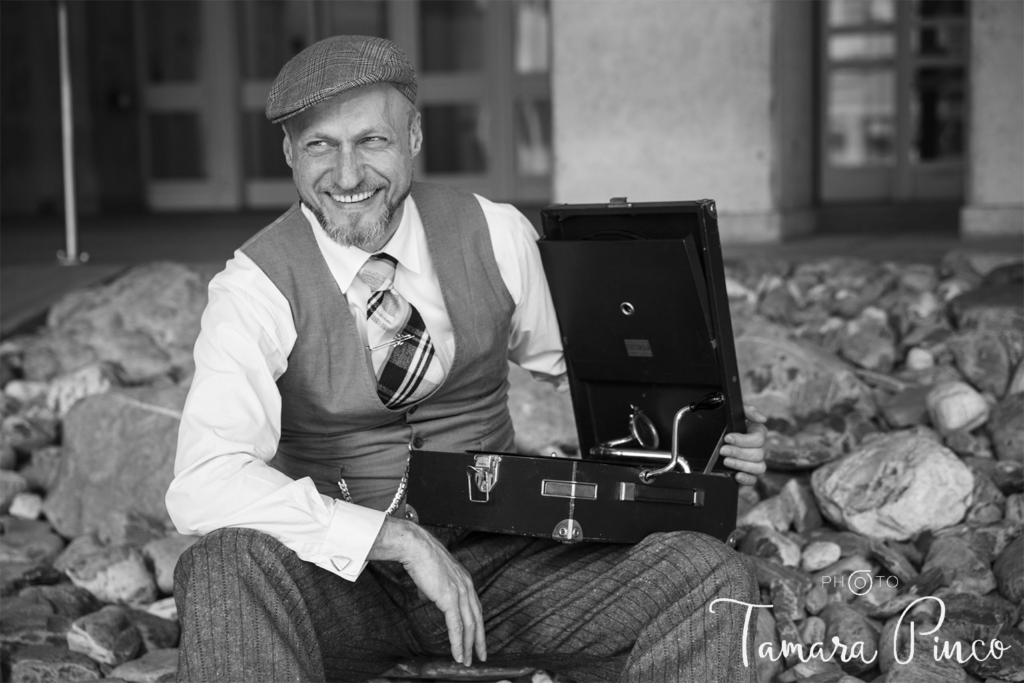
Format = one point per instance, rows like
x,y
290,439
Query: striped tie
x,y
407,367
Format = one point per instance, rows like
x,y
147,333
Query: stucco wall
x,y
995,179
667,99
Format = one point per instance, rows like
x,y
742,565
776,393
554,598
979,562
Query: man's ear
x,y
415,133
287,144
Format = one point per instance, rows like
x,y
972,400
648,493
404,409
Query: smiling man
x,y
376,316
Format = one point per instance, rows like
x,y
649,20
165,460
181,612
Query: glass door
x,y
893,100
187,76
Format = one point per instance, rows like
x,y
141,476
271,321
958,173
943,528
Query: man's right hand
x,y
441,579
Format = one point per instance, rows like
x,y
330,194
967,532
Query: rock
x,y
799,501
962,569
766,634
27,505
144,323
988,503
77,551
164,554
1009,571
22,627
955,406
1009,667
868,340
788,633
542,417
116,574
977,617
43,468
33,428
894,487
894,561
106,636
771,513
803,451
907,408
17,575
969,444
999,307
64,599
816,599
1007,475
23,393
849,542
787,603
812,630
66,390
38,545
772,545
818,555
846,579
990,541
983,359
919,359
1015,509
746,499
165,609
1017,381
766,571
121,444
791,380
1006,425
855,631
129,527
11,484
8,458
159,666
46,664
157,632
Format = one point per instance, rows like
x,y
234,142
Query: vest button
x,y
413,409
417,442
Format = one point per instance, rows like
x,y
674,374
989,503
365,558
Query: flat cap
x,y
335,65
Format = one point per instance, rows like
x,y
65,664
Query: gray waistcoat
x,y
332,423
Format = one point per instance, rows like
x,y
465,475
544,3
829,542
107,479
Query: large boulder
x,y
118,455
793,380
1006,425
894,487
144,323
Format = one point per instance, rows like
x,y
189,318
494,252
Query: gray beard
x,y
356,235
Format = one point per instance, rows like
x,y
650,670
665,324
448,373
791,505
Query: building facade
x,y
797,116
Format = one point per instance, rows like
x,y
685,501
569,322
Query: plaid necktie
x,y
407,367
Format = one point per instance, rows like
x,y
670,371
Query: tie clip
x,y
400,339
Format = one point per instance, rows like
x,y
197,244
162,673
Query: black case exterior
x,y
639,291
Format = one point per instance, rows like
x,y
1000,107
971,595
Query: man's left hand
x,y
745,452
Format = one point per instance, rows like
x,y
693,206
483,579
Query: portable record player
x,y
639,292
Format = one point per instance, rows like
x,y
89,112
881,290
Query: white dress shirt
x,y
232,418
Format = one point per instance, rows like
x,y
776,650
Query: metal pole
x,y
71,256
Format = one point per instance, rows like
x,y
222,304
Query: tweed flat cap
x,y
335,65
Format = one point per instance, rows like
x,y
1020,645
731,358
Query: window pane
x,y
940,41
941,8
173,37
263,156
353,17
175,146
937,114
451,35
270,33
453,139
533,37
533,138
843,13
861,117
844,47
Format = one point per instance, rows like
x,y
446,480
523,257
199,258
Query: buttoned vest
x,y
333,425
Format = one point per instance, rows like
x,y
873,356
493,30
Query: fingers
x,y
754,438
453,620
479,639
746,479
753,414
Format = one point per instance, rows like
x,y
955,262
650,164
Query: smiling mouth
x,y
353,198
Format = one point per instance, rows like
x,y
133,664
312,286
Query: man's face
x,y
352,162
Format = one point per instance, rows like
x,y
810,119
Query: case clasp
x,y
482,477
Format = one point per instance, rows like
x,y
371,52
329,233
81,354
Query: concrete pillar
x,y
665,100
995,156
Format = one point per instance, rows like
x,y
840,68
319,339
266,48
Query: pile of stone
x,y
895,398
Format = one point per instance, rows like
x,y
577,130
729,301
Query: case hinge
x,y
568,531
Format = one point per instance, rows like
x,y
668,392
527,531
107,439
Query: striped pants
x,y
252,611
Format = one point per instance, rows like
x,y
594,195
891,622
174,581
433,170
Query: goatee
x,y
360,232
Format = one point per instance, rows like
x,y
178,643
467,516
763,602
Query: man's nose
x,y
348,169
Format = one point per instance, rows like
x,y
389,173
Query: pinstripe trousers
x,y
252,611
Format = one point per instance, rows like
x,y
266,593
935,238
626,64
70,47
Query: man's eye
x,y
316,145
375,140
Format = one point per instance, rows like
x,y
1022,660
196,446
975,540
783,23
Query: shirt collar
x,y
344,262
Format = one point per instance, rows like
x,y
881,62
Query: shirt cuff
x,y
352,532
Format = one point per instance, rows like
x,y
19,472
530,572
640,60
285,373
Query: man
x,y
375,317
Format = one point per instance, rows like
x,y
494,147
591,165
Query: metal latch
x,y
619,203
482,477
568,531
